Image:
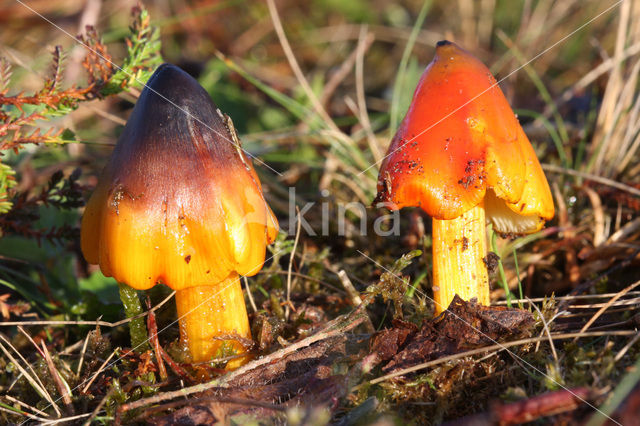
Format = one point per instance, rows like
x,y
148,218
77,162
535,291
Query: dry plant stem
x,y
206,312
334,328
497,347
459,249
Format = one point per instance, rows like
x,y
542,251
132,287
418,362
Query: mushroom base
x,y
459,250
214,323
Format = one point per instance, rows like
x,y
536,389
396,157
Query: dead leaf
x,y
463,326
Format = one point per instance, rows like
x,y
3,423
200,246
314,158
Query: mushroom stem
x,y
213,321
459,249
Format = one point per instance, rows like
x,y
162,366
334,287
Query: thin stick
x,y
95,375
577,296
334,328
608,304
498,348
152,326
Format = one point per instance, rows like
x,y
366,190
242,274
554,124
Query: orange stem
x,y
213,321
459,249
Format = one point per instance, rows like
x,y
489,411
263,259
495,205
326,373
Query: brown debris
x,y
388,342
463,326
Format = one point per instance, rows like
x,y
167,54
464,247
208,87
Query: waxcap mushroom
x,y
461,155
179,203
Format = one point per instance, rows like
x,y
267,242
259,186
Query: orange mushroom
x,y
461,155
179,203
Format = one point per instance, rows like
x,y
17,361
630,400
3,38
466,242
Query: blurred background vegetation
x,y
569,68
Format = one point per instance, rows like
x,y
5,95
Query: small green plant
x,y
24,117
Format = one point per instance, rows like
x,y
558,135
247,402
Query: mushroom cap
x,y
178,202
459,144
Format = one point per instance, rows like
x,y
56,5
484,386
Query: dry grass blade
x,y
82,354
22,413
46,422
613,143
291,259
26,406
63,388
34,380
599,235
608,304
275,17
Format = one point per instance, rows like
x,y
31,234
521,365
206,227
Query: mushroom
x,y
461,155
179,203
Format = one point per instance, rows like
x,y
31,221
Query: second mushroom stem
x,y
459,249
213,321
137,327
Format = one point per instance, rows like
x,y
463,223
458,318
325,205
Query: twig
x,y
348,285
575,296
176,368
498,348
338,77
599,236
334,328
23,413
608,304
